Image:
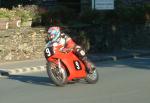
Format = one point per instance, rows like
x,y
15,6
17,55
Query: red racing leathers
x,y
68,44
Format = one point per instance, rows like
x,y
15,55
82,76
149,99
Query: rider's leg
x,y
81,54
90,67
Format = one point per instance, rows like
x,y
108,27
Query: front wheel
x,y
56,74
92,78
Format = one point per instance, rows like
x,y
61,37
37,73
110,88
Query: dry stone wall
x,y
22,44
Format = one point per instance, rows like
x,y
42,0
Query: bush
x,y
58,15
91,17
27,12
6,13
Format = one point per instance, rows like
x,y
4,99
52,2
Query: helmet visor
x,y
52,34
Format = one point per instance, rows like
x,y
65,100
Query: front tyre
x,y
56,74
92,78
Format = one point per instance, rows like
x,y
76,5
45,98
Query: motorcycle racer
x,y
56,37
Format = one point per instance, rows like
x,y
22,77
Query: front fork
x,y
60,65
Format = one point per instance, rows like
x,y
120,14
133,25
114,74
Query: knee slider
x,y
81,52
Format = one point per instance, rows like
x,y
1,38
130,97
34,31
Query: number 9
x,y
48,52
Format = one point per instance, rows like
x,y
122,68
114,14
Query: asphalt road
x,y
124,81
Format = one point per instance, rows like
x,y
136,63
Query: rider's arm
x,y
70,44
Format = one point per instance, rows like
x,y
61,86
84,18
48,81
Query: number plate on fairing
x,y
48,52
77,65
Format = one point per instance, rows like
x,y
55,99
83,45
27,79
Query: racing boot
x,y
89,66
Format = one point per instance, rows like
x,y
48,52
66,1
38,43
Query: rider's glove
x,y
66,50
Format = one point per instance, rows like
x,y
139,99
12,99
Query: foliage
x,y
34,13
125,27
27,12
4,13
133,13
58,15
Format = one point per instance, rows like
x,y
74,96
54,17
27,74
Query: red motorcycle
x,y
63,67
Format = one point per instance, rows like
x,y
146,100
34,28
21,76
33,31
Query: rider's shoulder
x,y
64,35
49,43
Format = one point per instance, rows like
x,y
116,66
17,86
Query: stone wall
x,y
22,44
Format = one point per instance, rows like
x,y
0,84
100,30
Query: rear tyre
x,y
92,78
56,74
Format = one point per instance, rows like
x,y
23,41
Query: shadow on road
x,y
32,79
40,80
136,63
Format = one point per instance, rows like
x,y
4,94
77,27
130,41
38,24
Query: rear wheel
x,y
56,74
92,78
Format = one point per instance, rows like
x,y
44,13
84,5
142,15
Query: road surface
x,y
124,81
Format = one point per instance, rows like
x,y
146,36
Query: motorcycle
x,y
64,67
